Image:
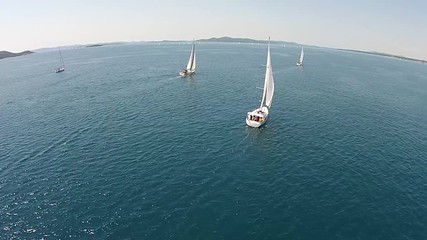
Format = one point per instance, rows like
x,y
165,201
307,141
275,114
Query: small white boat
x,y
259,116
61,63
301,57
191,65
60,69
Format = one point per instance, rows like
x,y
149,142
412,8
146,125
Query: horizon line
x,y
244,38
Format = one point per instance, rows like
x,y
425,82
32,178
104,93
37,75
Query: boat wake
x,y
240,143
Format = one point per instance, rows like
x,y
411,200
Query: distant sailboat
x,y
301,57
259,116
191,65
61,63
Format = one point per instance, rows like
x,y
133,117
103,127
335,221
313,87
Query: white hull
x,y
58,70
299,64
254,124
257,117
184,73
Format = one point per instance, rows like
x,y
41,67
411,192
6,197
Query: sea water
x,y
119,147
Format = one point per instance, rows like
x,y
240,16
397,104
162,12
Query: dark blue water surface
x,y
119,147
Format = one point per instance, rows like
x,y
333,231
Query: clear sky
x,y
390,26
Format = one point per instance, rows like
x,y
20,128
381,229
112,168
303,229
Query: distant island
x,y
6,54
230,39
385,55
95,45
242,40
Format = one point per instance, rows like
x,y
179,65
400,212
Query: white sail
x,y
191,65
301,58
267,95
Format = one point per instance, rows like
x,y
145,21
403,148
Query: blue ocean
x,y
119,147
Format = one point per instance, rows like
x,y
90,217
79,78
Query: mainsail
x,y
267,95
301,58
191,65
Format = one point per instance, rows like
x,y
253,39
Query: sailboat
x,y
259,116
61,63
301,57
191,65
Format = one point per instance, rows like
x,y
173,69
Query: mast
x,y
193,66
61,61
